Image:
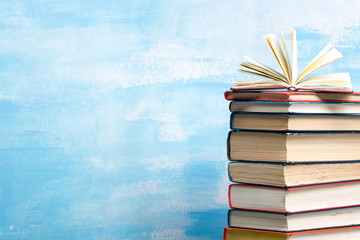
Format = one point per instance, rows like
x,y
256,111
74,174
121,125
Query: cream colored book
x,y
288,77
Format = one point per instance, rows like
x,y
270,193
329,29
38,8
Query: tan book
x,y
294,199
292,175
295,107
295,122
293,147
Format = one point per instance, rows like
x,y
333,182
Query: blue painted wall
x,y
113,123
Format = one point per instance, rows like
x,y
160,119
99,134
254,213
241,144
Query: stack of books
x,y
294,163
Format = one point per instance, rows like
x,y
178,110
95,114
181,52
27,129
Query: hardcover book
x,y
292,175
291,96
347,233
294,107
294,222
294,199
294,122
293,147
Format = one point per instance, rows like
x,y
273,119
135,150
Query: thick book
x,y
294,199
293,147
294,122
292,175
346,233
292,96
294,107
294,222
289,77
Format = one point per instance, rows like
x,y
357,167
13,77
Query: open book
x,y
289,78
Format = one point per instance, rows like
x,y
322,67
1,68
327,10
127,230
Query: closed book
x,y
346,233
295,107
292,96
293,147
294,199
292,175
294,122
293,222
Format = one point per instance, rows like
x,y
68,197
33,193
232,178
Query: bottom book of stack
x,y
294,222
343,233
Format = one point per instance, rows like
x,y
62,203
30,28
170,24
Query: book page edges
x,y
322,61
279,55
261,70
293,56
287,58
261,65
259,84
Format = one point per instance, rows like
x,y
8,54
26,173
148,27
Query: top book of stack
x,y
289,79
292,96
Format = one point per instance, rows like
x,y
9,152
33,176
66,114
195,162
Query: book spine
x,y
228,146
229,195
232,120
227,94
224,234
228,171
229,218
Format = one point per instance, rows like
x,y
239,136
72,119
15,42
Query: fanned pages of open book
x,y
289,78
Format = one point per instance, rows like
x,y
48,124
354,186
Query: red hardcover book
x,y
343,233
294,199
292,96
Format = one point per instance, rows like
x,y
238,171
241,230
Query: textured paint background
x,y
113,123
